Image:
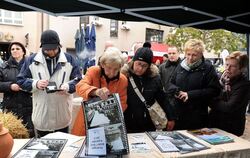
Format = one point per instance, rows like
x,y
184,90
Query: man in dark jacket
x,y
167,68
193,84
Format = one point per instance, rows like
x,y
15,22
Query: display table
x,y
239,148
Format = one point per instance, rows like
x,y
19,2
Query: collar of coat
x,y
11,62
106,77
151,72
174,63
41,58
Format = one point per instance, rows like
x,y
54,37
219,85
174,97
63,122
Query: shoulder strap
x,y
131,79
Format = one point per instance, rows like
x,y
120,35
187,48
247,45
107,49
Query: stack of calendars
x,y
105,126
211,136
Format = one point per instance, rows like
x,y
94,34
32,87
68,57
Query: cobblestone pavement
x,y
246,134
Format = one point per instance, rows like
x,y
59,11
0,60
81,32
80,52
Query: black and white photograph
x,y
182,142
114,137
108,114
41,148
102,112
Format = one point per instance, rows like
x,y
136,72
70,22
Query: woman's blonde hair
x,y
241,58
112,55
194,45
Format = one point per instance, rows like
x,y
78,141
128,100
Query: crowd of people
x,y
39,88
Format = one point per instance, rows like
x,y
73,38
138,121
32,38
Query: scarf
x,y
189,67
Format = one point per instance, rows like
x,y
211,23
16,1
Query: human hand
x,y
65,88
42,84
14,87
170,125
224,79
182,96
227,88
103,93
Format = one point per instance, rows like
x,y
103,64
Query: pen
x,y
39,75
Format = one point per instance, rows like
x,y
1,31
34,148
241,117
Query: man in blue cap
x,y
51,75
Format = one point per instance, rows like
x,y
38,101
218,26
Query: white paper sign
x,y
27,154
166,145
161,137
96,141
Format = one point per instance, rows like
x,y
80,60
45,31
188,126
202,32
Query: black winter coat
x,y
166,71
136,115
202,85
20,103
228,110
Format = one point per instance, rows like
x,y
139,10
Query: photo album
x,y
105,127
174,142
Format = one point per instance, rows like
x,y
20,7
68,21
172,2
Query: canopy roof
x,y
204,14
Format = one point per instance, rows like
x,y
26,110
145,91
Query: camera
x,y
52,87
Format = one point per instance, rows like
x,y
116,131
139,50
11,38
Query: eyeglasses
x,y
142,65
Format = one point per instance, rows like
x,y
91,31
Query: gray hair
x,y
112,56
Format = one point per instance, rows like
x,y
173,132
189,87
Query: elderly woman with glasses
x,y
147,79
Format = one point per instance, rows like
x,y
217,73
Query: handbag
x,y
157,115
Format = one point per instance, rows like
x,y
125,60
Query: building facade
x,y
26,27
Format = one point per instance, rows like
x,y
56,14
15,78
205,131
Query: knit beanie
x,y
144,54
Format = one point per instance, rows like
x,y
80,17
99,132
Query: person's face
x,y
173,55
192,56
16,52
140,67
51,52
232,66
111,70
164,58
158,62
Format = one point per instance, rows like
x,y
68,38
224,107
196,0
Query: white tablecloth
x,y
240,148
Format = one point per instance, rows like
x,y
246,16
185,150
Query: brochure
x,y
41,147
211,136
174,142
106,131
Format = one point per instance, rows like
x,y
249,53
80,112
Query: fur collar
x,y
151,72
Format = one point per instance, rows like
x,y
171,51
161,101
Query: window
x,y
153,35
10,17
84,20
113,28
